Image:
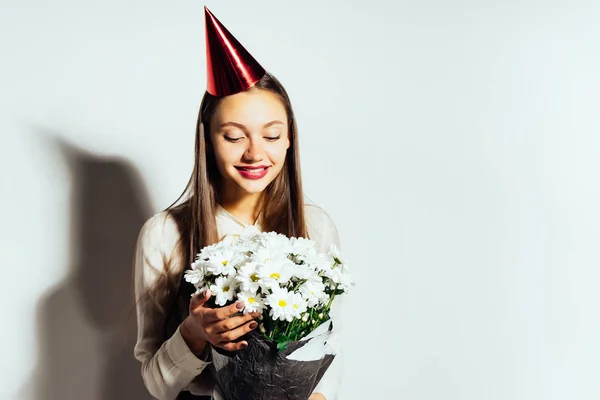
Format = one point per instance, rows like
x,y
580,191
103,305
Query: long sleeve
x,y
323,231
168,367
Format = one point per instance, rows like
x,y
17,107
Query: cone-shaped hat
x,y
230,68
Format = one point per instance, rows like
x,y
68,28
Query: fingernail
x,y
244,345
253,325
239,306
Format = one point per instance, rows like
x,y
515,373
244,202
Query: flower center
x,y
254,277
251,300
226,288
224,262
275,275
295,306
282,303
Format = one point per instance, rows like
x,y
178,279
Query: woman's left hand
x,y
317,396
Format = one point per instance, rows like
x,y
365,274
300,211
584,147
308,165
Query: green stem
x,y
335,263
289,327
274,332
332,297
286,333
298,284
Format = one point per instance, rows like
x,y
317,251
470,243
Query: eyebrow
x,y
243,127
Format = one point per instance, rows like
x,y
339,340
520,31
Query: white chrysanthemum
x,y
200,261
203,255
313,292
299,305
303,249
339,276
246,241
224,289
321,261
343,278
334,252
304,271
252,302
223,262
274,273
248,277
282,305
249,238
303,245
276,243
194,276
271,249
211,249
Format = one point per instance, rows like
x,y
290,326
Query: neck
x,y
244,206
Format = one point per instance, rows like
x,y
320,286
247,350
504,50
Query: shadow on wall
x,y
86,324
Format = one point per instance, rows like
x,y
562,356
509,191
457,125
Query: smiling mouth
x,y
255,170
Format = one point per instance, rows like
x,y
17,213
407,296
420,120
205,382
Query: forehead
x,y
252,107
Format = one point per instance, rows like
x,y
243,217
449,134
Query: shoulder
x,y
159,233
320,225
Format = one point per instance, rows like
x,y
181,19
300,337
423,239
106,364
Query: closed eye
x,y
272,138
232,140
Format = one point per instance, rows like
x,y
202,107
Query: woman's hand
x,y
216,326
317,396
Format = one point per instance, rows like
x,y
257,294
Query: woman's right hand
x,y
217,326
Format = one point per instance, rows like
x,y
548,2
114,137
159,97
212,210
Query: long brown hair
x,y
281,207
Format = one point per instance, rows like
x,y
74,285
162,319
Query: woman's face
x,y
249,133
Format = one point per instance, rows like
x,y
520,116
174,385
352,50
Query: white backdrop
x,y
455,144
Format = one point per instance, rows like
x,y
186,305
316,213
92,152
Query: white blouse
x,y
170,367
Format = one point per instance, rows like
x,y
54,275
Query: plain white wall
x,y
455,144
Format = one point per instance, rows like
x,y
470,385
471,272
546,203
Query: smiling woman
x,y
246,172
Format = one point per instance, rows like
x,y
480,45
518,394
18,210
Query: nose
x,y
254,151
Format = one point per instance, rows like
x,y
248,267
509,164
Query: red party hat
x,y
230,68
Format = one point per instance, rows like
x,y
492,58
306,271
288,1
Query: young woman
x,y
246,172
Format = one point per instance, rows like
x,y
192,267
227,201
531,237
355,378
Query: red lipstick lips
x,y
253,172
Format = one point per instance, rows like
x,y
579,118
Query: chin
x,y
253,187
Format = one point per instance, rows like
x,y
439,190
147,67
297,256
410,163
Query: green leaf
x,y
282,346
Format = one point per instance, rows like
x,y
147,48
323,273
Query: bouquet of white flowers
x,y
293,285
